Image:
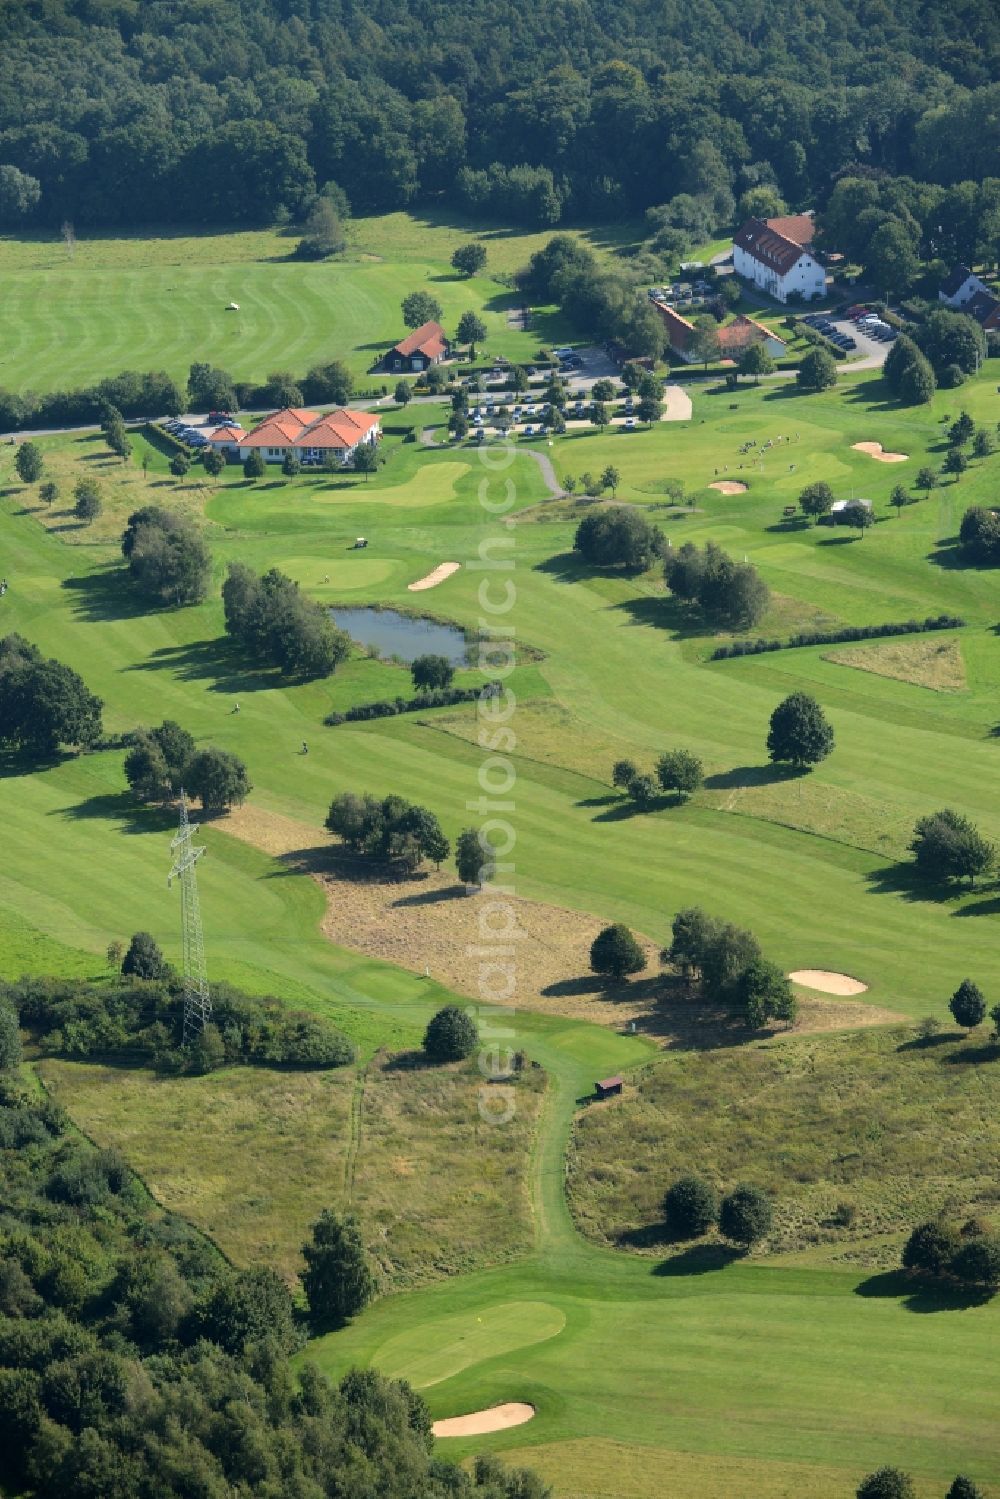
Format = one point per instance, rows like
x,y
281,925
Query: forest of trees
x,y
134,1361
241,110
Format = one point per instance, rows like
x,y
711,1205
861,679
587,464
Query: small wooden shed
x,y
608,1087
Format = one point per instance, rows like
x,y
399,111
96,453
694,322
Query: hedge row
x,y
839,637
436,697
161,438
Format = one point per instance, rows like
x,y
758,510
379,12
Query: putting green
x,y
340,574
439,1349
434,486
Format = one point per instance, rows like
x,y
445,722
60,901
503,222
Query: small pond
x,y
395,634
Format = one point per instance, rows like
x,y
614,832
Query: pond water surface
x,y
395,634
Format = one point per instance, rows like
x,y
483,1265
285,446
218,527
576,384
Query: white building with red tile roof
x,y
313,437
775,262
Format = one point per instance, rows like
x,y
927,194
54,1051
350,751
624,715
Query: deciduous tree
x,y
679,771
799,731
337,1279
469,259
28,462
420,307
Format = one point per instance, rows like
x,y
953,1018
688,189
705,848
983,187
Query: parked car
x,y
630,422
529,431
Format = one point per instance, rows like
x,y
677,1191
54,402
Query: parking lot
x,y
863,336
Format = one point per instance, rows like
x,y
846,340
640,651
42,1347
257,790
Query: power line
x,y
197,997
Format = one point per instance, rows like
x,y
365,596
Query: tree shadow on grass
x,y
121,808
951,555
107,595
410,1061
973,1056
930,1043
611,797
916,1296
741,777
566,566
584,983
664,613
433,897
625,808
217,658
700,1259
836,541
904,880
14,763
989,907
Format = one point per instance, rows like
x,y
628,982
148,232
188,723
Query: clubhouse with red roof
x,y
315,438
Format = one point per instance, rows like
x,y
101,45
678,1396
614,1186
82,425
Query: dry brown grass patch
x,y
936,664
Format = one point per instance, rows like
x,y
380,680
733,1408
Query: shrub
x,y
618,537
622,772
931,1247
144,960
431,672
690,1208
642,790
451,1035
445,697
745,1215
887,1483
968,1005
615,952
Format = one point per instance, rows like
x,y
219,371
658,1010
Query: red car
x,y
219,416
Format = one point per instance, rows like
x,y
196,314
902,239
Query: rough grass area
x,y
249,1156
937,664
252,1157
875,1124
591,1468
439,1188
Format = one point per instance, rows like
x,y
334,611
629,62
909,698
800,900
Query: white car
x,y
630,422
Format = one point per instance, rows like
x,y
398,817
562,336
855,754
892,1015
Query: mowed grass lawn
x,y
767,1366
159,302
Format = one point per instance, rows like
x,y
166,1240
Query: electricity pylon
x,y
197,998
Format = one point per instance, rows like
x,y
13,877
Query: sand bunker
x,y
478,1423
827,982
729,486
442,571
876,450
